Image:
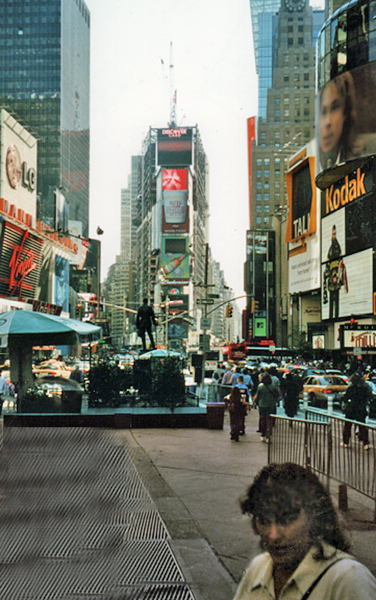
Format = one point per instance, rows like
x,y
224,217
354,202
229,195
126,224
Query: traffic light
x,y
254,306
78,310
228,310
353,324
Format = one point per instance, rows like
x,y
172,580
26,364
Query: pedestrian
x,y
236,408
145,317
290,395
265,400
305,550
4,390
245,399
235,374
225,383
355,406
77,375
276,384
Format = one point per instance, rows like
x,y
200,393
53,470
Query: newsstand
x,y
215,413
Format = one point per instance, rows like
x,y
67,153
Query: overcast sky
x,y
216,85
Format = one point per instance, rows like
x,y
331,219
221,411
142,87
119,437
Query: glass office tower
x,y
45,79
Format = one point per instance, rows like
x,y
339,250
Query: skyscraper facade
x,y
263,13
45,80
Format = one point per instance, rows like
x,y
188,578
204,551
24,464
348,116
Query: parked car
x,y
52,368
319,387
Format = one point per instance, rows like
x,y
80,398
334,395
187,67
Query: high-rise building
x,y
288,125
290,118
44,80
263,13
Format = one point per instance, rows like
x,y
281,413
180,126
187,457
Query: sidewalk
x,y
195,478
132,514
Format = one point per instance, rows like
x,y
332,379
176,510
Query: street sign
x,y
204,342
205,301
205,323
216,296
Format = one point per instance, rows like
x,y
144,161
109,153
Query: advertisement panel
x,y
301,194
174,260
348,230
362,336
345,123
18,182
175,213
20,262
62,283
251,135
174,147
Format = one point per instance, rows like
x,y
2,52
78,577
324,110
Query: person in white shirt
x,y
305,550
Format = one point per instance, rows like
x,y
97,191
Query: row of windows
x,y
277,197
259,220
286,57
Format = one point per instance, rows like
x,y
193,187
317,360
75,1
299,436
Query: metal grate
x,y
76,521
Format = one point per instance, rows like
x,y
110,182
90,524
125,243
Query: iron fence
x,y
316,442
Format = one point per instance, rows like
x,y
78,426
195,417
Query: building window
x,y
290,42
277,113
258,208
290,28
266,220
266,185
277,101
258,197
266,208
258,220
266,197
300,28
277,173
266,172
286,112
259,185
300,41
259,162
286,79
277,160
306,77
262,135
259,172
266,162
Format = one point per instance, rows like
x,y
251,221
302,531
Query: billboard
x,y
62,283
20,261
251,134
174,147
175,260
348,233
345,123
175,213
18,180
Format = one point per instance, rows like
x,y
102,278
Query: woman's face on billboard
x,y
331,118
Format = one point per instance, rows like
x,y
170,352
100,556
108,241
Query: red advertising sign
x,y
175,214
20,262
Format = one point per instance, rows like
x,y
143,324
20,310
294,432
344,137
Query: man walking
x,y
145,317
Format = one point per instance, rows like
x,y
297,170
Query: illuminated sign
x,y
20,262
174,147
18,172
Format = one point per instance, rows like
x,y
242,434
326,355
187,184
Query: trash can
x,y
215,413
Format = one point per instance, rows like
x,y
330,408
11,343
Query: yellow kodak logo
x,y
335,197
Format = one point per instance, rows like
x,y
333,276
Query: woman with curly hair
x,y
305,550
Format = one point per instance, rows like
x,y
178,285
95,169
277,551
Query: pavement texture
x,y
135,514
196,478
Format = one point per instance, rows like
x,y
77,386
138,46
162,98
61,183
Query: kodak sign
x,y
350,188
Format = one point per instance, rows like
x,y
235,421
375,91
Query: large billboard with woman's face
x,y
345,123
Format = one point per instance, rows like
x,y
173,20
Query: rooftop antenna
x,y
172,92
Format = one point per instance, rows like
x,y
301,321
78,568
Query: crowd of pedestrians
x,y
267,388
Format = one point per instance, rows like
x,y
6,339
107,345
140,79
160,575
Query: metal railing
x,y
315,442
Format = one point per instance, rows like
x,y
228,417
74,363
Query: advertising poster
x,y
20,265
175,261
345,122
260,327
175,213
174,147
62,283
